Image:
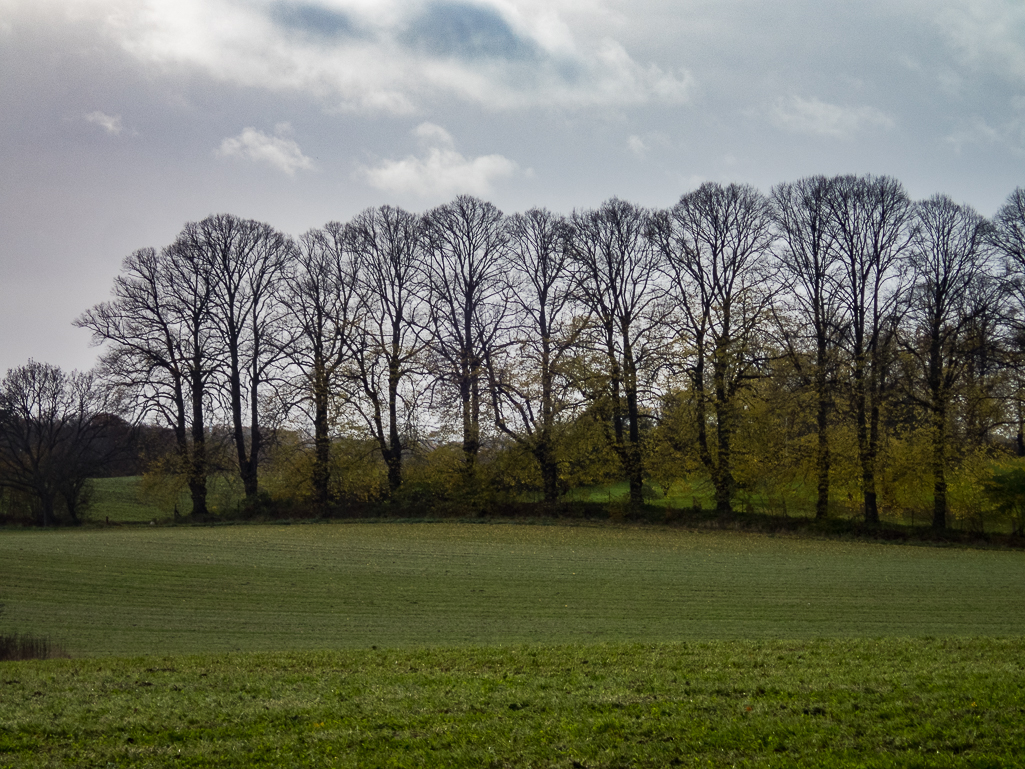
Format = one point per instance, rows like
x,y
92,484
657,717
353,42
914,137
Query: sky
x,y
121,120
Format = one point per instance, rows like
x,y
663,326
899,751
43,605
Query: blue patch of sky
x,y
311,19
467,31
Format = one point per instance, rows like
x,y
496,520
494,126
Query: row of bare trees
x,y
394,325
880,284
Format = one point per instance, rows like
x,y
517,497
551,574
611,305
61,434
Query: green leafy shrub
x,y
1006,489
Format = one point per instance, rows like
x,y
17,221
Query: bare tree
x,y
318,297
716,242
528,380
387,341
52,426
807,257
954,289
160,349
247,259
872,218
1008,236
616,279
464,242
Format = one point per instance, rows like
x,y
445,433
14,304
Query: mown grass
x,y
121,500
129,591
126,500
874,703
508,646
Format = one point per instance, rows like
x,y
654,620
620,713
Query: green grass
x,y
872,703
124,500
697,490
121,500
508,646
129,591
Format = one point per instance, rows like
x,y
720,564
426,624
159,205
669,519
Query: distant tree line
x,y
58,430
764,342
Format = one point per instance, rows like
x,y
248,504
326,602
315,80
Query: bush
x,y
1006,489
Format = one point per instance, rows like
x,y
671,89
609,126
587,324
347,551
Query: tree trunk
x,y
1019,439
723,474
549,476
250,477
632,453
871,497
471,436
868,481
321,440
545,452
822,456
394,455
197,465
938,409
46,515
394,462
238,432
939,461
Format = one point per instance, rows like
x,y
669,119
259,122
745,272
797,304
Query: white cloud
x,y
110,123
276,151
989,34
440,171
813,116
637,146
431,135
393,55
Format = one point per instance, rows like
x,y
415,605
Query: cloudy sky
x,y
120,120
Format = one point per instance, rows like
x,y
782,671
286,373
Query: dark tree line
x,y
57,431
518,330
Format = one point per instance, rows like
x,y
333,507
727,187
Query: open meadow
x,y
389,644
153,590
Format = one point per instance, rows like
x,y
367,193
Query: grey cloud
x,y
937,104
312,20
467,31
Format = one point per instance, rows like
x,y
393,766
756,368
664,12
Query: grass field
x,y
125,591
882,703
508,645
125,500
122,499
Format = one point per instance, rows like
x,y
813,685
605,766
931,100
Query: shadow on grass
x,y
616,513
25,647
